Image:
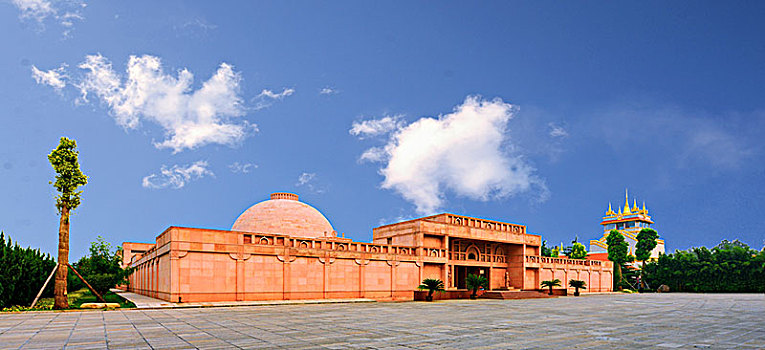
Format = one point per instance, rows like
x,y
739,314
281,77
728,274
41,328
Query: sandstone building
x,y
285,249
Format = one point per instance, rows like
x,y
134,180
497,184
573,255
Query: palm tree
x,y
474,282
551,284
431,285
576,284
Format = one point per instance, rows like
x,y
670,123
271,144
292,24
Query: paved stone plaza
x,y
734,321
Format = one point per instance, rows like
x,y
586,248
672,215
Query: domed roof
x,y
284,214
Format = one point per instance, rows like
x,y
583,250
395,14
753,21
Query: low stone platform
x,y
515,294
144,302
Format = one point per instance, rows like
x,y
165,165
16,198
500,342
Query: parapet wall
x,y
212,265
199,265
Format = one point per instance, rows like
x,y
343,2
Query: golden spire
x,y
645,212
610,211
635,208
626,203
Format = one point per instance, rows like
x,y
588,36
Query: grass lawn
x,y
76,299
85,296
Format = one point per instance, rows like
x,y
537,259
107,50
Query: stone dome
x,y
284,214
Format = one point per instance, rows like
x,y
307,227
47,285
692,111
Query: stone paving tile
x,y
648,321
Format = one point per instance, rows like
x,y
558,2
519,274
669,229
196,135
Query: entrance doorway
x,y
461,273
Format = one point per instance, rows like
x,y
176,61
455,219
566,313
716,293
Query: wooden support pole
x,y
98,296
43,287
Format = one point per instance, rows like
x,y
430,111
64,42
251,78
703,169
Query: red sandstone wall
x,y
430,241
432,271
210,265
264,278
213,265
596,280
497,279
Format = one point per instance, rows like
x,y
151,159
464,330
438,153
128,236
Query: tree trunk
x,y
617,276
59,289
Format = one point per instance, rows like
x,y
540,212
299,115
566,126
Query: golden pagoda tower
x,y
628,221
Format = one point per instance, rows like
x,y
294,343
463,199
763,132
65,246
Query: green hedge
x,y
728,267
22,272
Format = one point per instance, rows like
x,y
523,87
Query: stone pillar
x,y
286,258
175,276
326,261
523,269
449,276
392,265
491,269
325,280
362,276
239,274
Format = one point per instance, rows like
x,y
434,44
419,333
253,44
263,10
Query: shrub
x,y
729,267
550,284
23,273
474,282
431,285
577,284
102,268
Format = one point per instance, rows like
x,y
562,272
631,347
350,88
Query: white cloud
x,y
374,127
327,91
267,97
63,13
189,118
276,96
374,154
466,152
196,26
557,130
243,168
37,10
55,78
308,180
177,176
305,178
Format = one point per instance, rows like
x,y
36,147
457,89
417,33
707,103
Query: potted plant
x,y
431,285
551,284
576,284
474,282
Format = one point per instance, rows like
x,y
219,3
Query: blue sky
x,y
535,113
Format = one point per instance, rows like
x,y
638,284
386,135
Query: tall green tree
x,y
646,242
102,268
68,179
617,252
546,251
578,251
